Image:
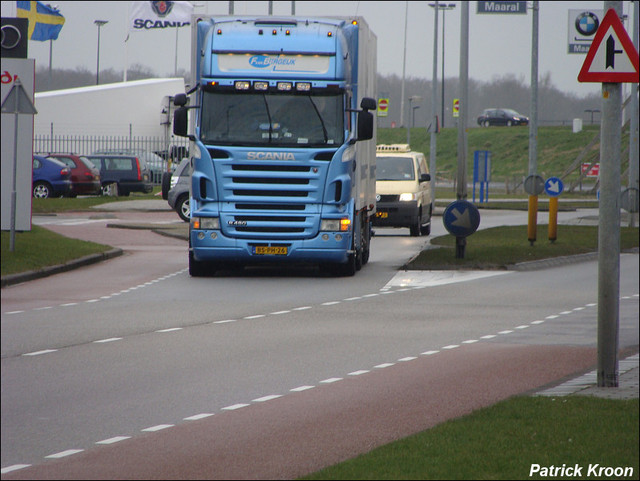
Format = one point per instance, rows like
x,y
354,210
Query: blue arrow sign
x,y
461,218
553,186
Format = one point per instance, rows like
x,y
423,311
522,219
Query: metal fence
x,y
88,144
170,151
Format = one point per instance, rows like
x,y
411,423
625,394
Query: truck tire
x,y
199,268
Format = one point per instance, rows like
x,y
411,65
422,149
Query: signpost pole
x,y
434,115
532,225
464,112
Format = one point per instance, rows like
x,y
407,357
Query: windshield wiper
x,y
324,129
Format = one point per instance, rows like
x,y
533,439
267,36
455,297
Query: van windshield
x,y
232,118
394,168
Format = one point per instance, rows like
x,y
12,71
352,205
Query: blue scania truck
x,y
282,142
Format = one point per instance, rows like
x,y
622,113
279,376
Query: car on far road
x,y
50,178
504,117
157,165
178,195
122,174
85,177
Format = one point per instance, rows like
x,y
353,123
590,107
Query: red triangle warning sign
x,y
612,56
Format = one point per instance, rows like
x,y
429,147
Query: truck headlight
x,y
406,197
208,223
339,225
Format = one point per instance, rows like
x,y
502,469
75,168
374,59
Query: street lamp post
x,y
444,8
99,23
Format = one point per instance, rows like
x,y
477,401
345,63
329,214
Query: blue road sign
x,y
553,186
461,218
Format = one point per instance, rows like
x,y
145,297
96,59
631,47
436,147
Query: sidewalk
x,y
586,385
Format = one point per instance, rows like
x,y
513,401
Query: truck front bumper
x,y
213,246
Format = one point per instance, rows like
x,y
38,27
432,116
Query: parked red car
x,y
85,177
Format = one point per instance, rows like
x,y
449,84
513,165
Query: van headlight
x,y
407,196
205,223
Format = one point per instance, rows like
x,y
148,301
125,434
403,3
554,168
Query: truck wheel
x,y
198,268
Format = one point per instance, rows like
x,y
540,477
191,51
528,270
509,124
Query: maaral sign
x,y
502,7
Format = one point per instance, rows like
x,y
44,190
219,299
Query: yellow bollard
x,y
532,226
553,218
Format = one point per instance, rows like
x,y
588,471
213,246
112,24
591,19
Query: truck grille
x,y
271,199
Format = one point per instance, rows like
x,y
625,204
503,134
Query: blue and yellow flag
x,y
45,22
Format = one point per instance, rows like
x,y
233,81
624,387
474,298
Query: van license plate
x,y
270,250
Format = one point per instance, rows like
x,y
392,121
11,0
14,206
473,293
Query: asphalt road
x,y
131,369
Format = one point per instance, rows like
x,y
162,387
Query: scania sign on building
x,y
517,7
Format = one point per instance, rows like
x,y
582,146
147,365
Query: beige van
x,y
403,189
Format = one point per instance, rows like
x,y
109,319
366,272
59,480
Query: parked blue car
x,y
51,178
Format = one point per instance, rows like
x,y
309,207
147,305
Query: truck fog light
x,y
200,235
338,237
213,235
325,237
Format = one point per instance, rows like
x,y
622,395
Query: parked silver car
x,y
178,195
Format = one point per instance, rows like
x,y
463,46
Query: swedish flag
x,y
45,22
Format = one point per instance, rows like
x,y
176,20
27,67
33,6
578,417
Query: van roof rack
x,y
393,148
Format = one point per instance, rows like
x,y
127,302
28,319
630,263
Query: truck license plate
x,y
270,250
382,215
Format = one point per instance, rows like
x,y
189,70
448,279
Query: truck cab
x,y
403,189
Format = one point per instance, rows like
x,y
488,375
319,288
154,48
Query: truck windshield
x,y
232,118
394,168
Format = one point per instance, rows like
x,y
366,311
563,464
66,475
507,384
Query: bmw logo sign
x,y
587,23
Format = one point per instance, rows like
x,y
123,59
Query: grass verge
x,y
505,440
42,248
498,247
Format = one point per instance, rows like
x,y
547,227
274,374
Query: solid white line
x,y
113,440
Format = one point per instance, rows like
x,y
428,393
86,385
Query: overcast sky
x,y
499,44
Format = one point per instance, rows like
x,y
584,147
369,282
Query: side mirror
x,y
367,103
425,178
365,125
180,100
180,121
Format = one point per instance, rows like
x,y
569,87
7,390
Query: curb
x,y
51,270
